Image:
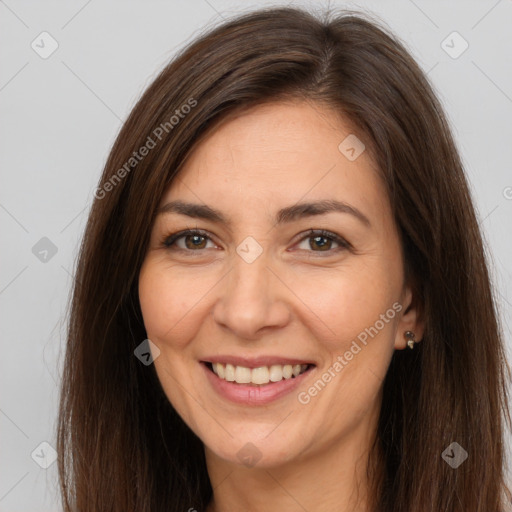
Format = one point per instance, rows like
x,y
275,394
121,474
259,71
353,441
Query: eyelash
x,y
169,240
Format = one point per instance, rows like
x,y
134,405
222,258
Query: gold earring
x,y
409,336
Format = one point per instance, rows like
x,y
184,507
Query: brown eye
x,y
322,241
187,241
195,241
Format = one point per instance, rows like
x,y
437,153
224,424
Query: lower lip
x,y
253,395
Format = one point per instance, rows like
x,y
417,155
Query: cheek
x,y
171,302
344,303
358,309
158,301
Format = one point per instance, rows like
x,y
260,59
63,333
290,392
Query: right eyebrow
x,y
197,211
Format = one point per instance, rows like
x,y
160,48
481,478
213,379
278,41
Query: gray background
x,y
61,114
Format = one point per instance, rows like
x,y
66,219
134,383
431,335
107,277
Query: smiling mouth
x,y
260,376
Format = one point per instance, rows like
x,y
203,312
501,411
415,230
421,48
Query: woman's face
x,y
262,295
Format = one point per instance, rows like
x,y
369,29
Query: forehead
x,y
279,153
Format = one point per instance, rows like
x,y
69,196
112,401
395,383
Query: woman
x,y
282,300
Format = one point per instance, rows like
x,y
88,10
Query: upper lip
x,y
255,362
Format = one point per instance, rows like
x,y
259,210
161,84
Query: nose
x,y
251,300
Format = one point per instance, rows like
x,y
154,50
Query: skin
x,y
294,300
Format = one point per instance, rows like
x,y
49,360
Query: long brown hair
x,y
121,445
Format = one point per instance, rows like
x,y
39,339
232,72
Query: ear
x,y
411,320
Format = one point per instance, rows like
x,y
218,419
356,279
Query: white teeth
x,y
287,371
229,373
276,373
219,370
242,375
260,376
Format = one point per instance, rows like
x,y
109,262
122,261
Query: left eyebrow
x,y
301,210
285,215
